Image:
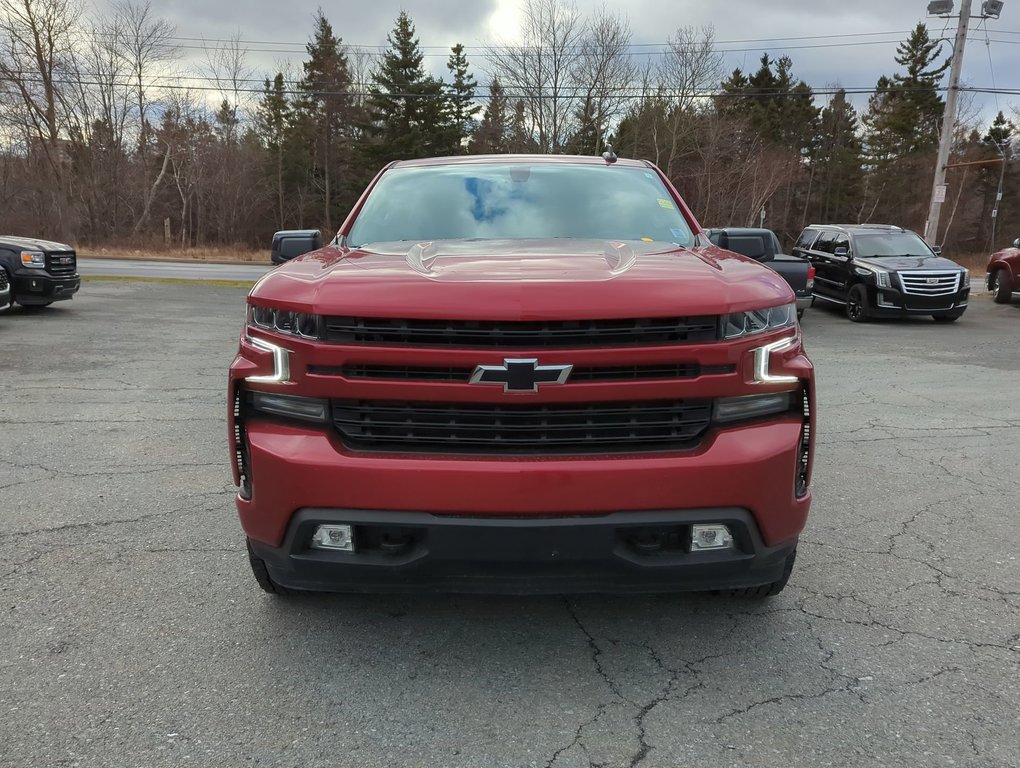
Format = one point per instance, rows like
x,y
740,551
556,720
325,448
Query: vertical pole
x,y
948,124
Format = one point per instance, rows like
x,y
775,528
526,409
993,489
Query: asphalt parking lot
x,y
132,633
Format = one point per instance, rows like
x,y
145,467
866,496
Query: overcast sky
x,y
841,61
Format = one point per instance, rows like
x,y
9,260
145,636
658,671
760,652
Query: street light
x,y
940,7
992,9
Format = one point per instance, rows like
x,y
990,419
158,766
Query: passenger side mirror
x,y
1016,243
291,243
842,251
937,250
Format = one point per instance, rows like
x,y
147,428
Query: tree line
x,y
102,143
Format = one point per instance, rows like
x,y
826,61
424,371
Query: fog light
x,y
710,537
338,538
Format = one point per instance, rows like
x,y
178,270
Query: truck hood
x,y
34,244
523,280
900,263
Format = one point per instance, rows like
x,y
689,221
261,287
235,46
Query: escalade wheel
x,y
258,568
768,590
857,304
1002,286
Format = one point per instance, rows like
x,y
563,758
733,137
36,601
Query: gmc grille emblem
x,y
521,375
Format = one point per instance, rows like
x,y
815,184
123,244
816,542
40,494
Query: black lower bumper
x,y
29,289
887,302
622,553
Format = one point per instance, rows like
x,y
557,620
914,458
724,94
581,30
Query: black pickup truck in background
x,y
39,271
762,245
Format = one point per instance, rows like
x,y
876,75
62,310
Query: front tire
x,y
857,304
1002,286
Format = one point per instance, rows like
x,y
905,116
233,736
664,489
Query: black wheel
x,y
1002,286
768,590
857,304
947,318
258,568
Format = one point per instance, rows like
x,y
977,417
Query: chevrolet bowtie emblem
x,y
521,375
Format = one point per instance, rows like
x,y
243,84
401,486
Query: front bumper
x,y
626,552
41,288
751,467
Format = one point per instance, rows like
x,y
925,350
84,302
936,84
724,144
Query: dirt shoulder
x,y
189,255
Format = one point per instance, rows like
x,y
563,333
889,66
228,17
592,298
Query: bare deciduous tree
x,y
540,70
603,73
36,85
145,43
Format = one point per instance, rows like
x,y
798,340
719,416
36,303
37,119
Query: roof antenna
x,y
609,155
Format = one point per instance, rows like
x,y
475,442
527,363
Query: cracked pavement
x,y
132,633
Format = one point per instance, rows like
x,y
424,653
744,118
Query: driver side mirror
x,y
937,250
1016,243
842,251
291,243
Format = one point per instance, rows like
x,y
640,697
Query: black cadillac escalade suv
x,y
877,270
39,271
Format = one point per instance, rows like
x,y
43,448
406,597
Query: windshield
x,y
890,244
519,201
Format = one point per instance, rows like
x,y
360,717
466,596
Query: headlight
x,y
883,279
298,324
33,260
966,278
760,321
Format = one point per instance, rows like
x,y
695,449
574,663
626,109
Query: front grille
x,y
524,429
578,375
61,263
930,283
487,333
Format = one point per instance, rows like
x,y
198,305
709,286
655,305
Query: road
x,y
132,633
172,269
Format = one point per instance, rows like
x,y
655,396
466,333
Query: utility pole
x,y
938,191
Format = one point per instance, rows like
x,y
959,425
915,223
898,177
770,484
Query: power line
x,y
362,90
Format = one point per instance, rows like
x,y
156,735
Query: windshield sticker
x,y
679,234
665,204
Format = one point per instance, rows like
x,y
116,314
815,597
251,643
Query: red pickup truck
x,y
522,374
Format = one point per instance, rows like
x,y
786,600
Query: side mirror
x,y
937,250
1016,243
842,251
291,243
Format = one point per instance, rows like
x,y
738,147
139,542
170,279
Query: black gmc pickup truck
x,y
39,272
763,246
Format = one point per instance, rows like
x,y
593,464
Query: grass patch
x,y
185,280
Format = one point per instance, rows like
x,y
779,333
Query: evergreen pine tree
x,y
409,111
491,137
326,113
461,95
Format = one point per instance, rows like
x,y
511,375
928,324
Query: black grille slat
x,y
677,330
578,375
61,263
531,429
